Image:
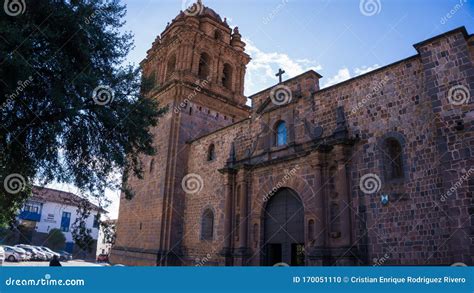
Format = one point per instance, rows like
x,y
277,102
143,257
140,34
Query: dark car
x,y
64,255
103,258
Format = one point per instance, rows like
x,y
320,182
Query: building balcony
x,y
31,216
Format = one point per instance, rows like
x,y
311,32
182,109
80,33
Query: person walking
x,y
55,262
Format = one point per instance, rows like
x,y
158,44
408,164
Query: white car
x,y
12,255
21,252
2,256
46,249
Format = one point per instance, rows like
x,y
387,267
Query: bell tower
x,y
196,68
200,45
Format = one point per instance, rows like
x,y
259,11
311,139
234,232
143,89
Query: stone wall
x,y
416,227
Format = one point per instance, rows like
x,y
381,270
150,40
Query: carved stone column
x,y
344,197
229,184
317,244
242,252
319,221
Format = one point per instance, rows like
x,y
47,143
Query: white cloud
x,y
345,74
263,66
342,74
365,69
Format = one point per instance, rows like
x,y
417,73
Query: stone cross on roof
x,y
280,74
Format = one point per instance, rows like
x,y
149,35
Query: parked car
x,y
64,255
103,258
27,253
21,252
49,255
35,254
12,255
2,256
47,249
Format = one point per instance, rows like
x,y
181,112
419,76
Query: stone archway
x,y
284,229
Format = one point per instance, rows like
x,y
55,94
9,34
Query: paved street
x,y
71,263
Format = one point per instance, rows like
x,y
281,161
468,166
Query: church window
x,y
280,133
217,35
227,76
171,66
335,219
394,158
204,66
207,225
211,153
152,165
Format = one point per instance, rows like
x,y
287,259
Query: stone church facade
x,y
376,170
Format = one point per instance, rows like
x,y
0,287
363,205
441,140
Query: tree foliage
x,y
109,230
80,233
56,239
70,111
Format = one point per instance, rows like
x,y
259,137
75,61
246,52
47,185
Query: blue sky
x,y
333,37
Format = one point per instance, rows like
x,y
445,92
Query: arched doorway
x,y
284,229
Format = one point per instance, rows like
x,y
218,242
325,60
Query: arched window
x,y
171,66
207,225
204,65
335,219
217,35
394,158
152,165
280,133
211,153
227,76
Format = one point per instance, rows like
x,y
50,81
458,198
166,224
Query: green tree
x,y
70,110
56,239
109,228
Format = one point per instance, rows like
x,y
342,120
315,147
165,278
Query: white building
x,y
103,246
48,209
